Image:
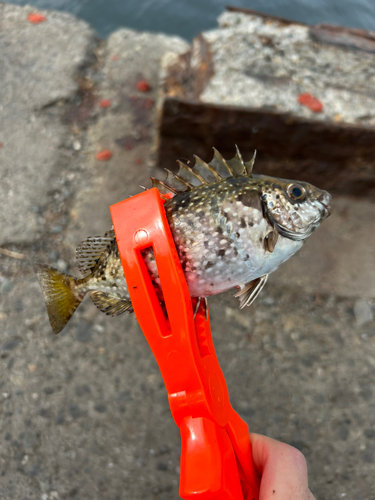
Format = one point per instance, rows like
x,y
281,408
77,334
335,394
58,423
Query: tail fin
x,y
60,294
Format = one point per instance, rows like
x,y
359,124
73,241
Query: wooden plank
x,y
337,157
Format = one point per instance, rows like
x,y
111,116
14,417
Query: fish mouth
x,y
327,209
324,199
287,233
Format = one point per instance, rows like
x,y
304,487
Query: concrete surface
x,y
260,63
38,67
126,128
340,257
85,414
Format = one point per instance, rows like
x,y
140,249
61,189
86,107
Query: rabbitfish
x,y
232,228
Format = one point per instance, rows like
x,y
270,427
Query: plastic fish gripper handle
x,y
216,457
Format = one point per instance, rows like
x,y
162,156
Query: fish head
x,y
296,207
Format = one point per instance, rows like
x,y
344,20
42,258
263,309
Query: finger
x,y
283,470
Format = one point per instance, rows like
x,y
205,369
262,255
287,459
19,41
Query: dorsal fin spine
x,y
168,188
180,179
201,173
250,164
239,157
222,160
199,177
206,165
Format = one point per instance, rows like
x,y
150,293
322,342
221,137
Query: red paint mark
x,y
149,103
36,18
138,161
1,145
310,102
115,58
104,155
143,86
105,103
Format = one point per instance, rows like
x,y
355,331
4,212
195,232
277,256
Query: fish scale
x,y
218,259
231,228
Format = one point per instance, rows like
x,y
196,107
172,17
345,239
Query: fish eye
x,y
295,192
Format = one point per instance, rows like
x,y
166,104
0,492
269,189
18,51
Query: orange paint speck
x,y
105,103
143,86
104,155
138,161
311,102
36,18
115,58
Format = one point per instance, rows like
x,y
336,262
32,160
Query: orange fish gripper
x,y
216,457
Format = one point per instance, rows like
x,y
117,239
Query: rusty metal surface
x,y
188,76
340,36
337,157
348,38
281,20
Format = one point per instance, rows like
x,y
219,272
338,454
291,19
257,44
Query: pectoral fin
x,y
251,290
271,239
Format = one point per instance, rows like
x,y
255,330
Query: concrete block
x,y
39,65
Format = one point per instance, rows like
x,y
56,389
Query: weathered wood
x,y
338,157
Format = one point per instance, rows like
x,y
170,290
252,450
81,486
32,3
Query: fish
x,y
231,227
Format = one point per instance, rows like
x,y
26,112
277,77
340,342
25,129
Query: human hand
x,y
283,470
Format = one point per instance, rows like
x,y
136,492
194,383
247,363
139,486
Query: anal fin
x,y
112,306
250,291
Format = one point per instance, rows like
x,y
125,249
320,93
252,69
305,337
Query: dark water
x,y
188,17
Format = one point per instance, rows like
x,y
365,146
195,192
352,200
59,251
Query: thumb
x,y
283,470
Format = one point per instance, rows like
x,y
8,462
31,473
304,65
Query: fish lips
x,y
325,199
295,236
328,209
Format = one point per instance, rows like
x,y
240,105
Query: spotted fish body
x,y
231,228
220,234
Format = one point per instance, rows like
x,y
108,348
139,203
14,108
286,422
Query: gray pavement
x,y
39,65
85,414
